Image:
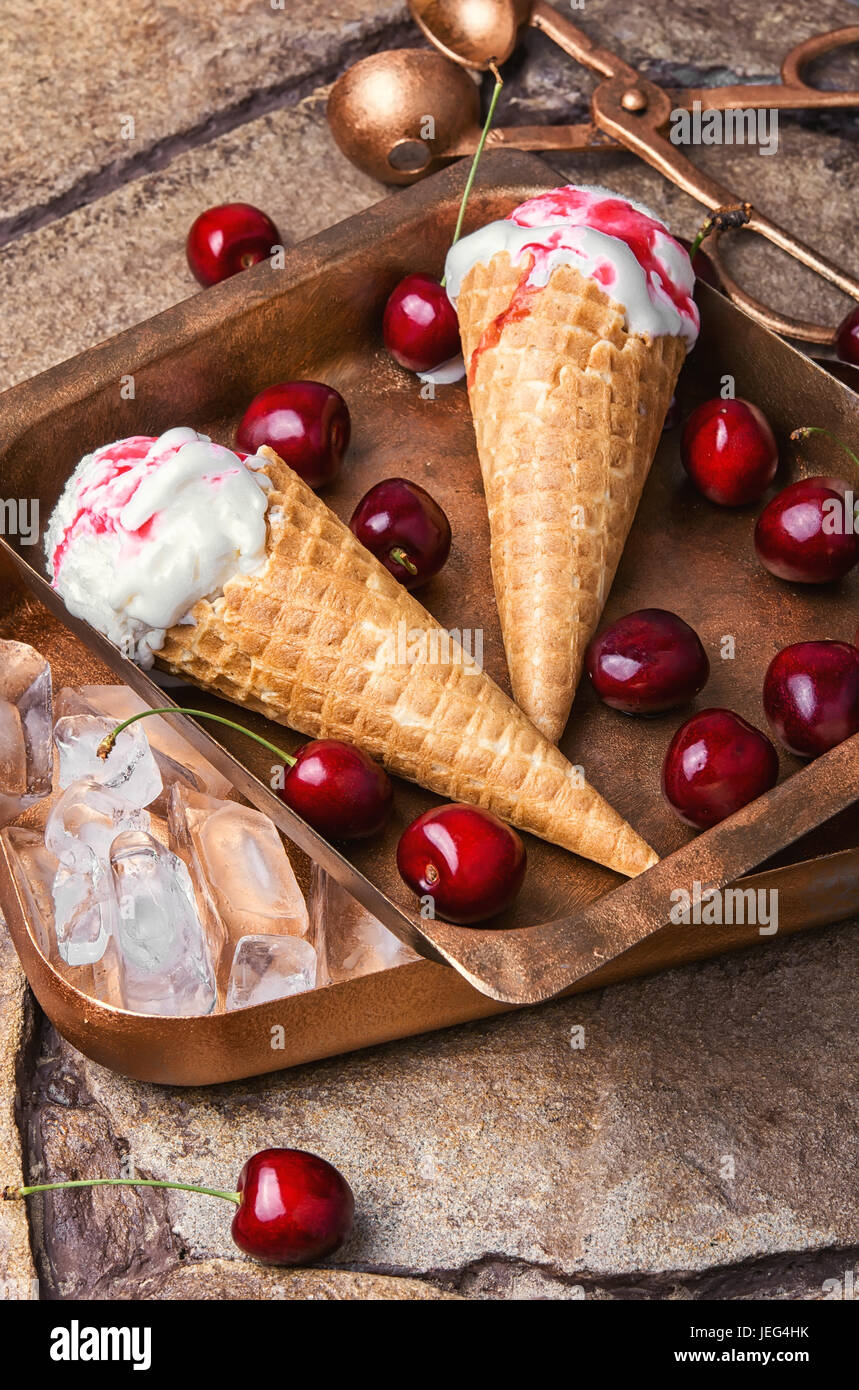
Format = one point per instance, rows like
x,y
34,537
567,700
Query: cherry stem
x,y
476,159
10,1194
109,740
721,220
807,430
401,558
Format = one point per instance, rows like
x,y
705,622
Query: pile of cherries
x,y
652,661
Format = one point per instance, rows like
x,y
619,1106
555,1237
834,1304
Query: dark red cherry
x,y
811,696
294,1208
305,422
847,341
729,451
420,327
405,528
807,533
467,860
338,789
229,238
716,763
647,662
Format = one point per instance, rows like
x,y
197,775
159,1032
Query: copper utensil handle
x,y
575,42
815,47
792,93
585,136
770,318
640,132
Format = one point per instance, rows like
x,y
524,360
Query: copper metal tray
x,y
575,925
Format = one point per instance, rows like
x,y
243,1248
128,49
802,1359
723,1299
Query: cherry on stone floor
x,y
294,1208
228,238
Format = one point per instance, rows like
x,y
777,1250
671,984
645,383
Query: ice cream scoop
x,y
609,239
146,527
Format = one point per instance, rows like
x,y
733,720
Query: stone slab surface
x,y
707,1124
182,71
17,1272
702,1143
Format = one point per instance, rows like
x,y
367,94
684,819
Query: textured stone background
x,y
490,1161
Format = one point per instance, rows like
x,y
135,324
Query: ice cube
x,y
13,751
164,961
238,854
84,911
270,967
35,870
26,757
349,939
128,769
85,821
177,759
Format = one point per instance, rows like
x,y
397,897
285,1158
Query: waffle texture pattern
x,y
568,409
324,640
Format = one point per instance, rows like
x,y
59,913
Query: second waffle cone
x,y
326,641
568,408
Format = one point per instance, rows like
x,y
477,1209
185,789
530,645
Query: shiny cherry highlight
x,y
338,789
405,528
729,451
811,696
420,328
294,1207
807,533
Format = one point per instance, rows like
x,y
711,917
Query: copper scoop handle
x,y
638,128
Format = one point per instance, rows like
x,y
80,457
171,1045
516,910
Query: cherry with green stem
x,y
293,1207
337,788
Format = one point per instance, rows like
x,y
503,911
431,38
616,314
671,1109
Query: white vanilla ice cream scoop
x,y
146,527
611,240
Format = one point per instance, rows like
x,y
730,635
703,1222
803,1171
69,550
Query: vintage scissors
x,y
377,111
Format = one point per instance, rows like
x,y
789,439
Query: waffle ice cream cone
x,y
324,640
568,402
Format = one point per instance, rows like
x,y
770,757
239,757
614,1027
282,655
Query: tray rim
x,y
139,1045
24,405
